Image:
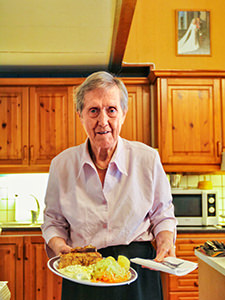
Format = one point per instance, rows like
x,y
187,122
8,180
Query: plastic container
x,y
205,184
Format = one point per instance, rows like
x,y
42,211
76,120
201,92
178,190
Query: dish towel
x,y
4,291
183,269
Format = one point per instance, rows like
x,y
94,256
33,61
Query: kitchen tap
x,y
35,214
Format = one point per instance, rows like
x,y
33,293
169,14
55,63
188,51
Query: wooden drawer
x,y
185,246
184,296
184,283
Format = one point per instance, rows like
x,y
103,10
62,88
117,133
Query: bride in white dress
x,y
189,42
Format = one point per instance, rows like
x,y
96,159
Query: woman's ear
x,y
124,116
80,116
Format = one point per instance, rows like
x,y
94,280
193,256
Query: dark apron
x,y
146,287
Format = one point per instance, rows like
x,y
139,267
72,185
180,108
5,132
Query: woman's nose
x,y
102,118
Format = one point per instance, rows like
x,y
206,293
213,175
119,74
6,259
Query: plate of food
x,y
85,265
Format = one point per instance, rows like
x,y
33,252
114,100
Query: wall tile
x,y
22,185
192,181
216,180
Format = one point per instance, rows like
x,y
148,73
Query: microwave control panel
x,y
211,205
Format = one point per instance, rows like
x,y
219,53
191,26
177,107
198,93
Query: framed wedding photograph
x,y
193,32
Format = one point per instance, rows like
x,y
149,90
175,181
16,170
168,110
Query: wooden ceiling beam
x,y
122,23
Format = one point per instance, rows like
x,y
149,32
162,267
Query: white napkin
x,y
184,269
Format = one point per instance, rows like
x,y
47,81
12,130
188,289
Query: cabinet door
x,y
11,264
40,282
137,123
52,127
136,126
190,121
13,126
223,114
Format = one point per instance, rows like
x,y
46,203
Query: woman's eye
x,y
93,111
111,110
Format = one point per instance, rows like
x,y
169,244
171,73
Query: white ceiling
x,y
57,32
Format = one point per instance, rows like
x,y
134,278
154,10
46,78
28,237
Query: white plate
x,y
53,266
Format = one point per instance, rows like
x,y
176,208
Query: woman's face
x,y
102,117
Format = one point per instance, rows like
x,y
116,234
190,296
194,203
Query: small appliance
x,y
195,207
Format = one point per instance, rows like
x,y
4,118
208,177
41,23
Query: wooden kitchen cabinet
x,y
38,120
40,282
188,122
52,127
186,287
14,113
11,264
223,113
24,265
36,123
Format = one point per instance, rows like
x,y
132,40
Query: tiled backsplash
x,y
14,208
17,196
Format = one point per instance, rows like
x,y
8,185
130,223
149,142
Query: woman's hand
x,y
58,245
164,245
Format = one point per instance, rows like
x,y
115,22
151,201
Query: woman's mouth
x,y
102,132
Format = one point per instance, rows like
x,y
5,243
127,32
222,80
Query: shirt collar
x,y
85,158
120,157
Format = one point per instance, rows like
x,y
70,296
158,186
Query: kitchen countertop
x,y
211,277
16,226
199,229
217,263
180,229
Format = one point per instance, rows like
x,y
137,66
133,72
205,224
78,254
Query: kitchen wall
x,y
152,36
152,39
18,208
17,196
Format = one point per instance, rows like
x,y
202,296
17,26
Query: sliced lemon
x,y
111,258
124,262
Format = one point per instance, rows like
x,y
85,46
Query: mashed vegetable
x,y
106,270
78,272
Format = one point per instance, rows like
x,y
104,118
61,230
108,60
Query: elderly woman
x,y
111,193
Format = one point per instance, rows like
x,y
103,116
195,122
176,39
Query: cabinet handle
x,y
196,284
26,251
31,152
25,154
219,150
19,252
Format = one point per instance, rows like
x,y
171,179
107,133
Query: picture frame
x,y
193,32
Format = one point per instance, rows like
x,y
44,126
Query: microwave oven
x,y
195,207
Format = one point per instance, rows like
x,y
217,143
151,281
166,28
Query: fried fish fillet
x,y
83,256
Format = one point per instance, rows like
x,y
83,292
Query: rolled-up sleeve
x,y
55,223
162,212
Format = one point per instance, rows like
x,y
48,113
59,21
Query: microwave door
x,y
188,209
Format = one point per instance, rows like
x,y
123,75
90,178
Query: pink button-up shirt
x,y
134,204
